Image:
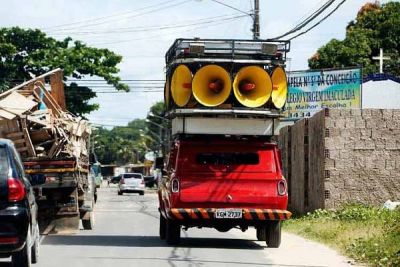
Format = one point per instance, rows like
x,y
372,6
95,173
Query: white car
x,y
131,183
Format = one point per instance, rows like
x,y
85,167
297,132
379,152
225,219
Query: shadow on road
x,y
147,241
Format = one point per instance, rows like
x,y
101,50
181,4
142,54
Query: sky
x,y
142,31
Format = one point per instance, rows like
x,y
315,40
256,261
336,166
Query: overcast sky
x,y
150,27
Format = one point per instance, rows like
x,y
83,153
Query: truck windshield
x,y
227,158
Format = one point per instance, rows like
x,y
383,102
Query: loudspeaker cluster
x,y
212,86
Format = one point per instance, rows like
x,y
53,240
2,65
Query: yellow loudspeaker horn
x,y
181,85
280,88
252,86
211,85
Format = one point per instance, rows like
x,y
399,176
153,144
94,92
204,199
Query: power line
x,y
320,21
307,20
110,16
232,7
132,16
171,33
152,28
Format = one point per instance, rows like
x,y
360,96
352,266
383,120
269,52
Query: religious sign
x,y
311,91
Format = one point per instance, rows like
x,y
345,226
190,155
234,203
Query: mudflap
x,y
66,224
67,218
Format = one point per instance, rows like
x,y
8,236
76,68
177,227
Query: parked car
x,y
19,229
131,183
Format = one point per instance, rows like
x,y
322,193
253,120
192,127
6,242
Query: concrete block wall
x,y
362,156
342,156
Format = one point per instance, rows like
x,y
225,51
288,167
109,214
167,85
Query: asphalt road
x,y
126,234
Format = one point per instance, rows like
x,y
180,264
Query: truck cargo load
x,y
54,146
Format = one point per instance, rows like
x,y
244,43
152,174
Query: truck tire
x,y
36,246
173,233
163,227
141,193
261,232
273,234
89,223
23,258
120,193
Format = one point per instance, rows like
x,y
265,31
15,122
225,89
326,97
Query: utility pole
x,y
256,20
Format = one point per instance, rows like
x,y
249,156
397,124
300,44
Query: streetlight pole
x,y
161,128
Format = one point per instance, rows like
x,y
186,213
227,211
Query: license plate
x,y
228,213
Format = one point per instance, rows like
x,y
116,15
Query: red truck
x,y
223,183
224,101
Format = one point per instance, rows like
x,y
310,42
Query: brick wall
x,y
362,149
342,156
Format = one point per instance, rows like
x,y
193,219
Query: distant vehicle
x,y
115,179
150,180
19,229
131,183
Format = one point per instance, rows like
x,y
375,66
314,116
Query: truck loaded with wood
x,y
54,146
223,170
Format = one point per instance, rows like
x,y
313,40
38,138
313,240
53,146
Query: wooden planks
x,y
316,133
57,89
297,167
302,149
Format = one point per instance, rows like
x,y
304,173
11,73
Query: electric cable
x,y
152,28
319,22
170,33
308,20
132,16
232,7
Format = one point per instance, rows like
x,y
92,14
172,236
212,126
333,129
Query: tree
x,y
121,145
375,27
26,52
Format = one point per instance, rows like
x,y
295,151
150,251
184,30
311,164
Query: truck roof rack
x,y
227,50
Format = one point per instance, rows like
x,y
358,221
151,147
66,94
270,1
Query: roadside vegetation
x,y
366,234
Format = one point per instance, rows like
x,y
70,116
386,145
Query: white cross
x,y
381,58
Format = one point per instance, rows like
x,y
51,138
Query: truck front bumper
x,y
247,214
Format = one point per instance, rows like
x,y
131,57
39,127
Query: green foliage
x,y
375,27
26,51
120,145
128,144
367,234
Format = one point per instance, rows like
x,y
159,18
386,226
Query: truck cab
x,y
223,183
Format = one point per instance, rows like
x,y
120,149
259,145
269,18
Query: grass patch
x,y
368,235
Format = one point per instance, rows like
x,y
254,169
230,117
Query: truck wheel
x,y
89,224
23,258
173,233
141,193
163,227
120,193
273,234
261,232
35,246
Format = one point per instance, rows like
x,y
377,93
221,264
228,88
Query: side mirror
x,y
37,179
